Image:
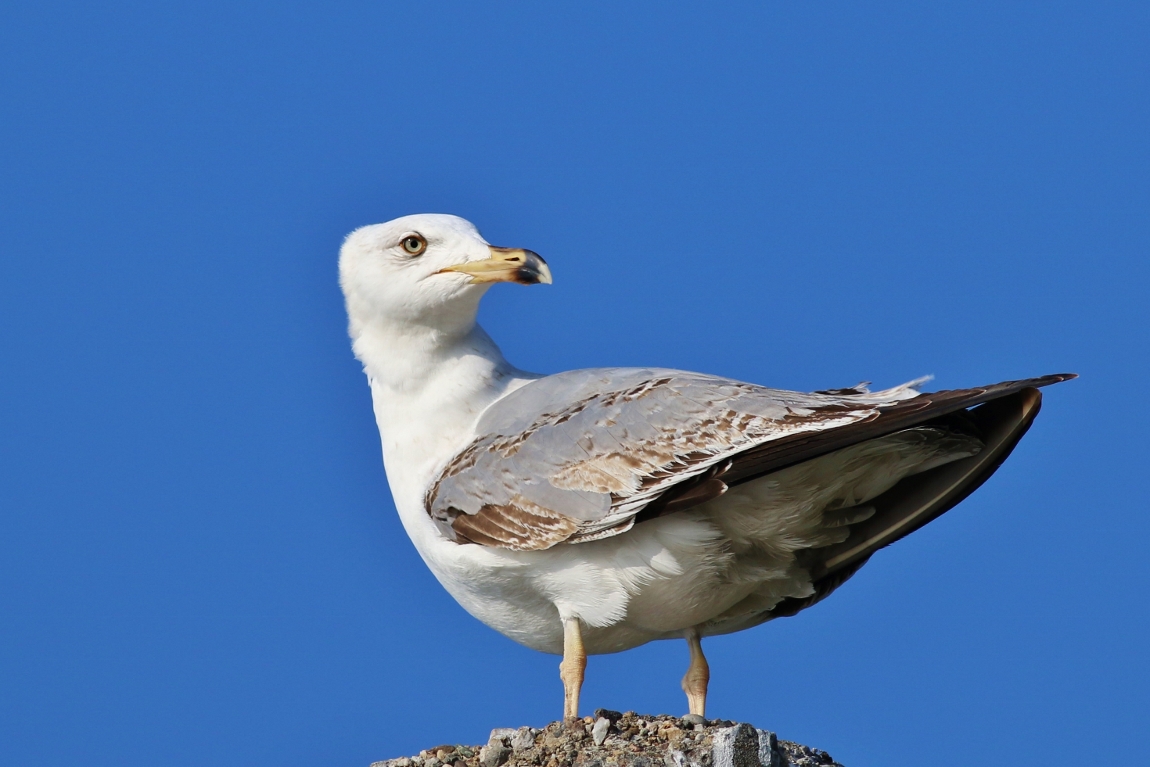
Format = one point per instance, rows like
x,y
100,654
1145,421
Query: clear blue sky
x,y
200,563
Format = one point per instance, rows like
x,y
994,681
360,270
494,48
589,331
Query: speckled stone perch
x,y
611,739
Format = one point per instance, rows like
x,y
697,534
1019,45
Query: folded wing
x,y
586,454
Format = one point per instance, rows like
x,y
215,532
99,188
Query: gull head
x,y
428,269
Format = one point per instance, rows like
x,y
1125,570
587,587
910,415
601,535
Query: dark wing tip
x,y
974,396
1053,379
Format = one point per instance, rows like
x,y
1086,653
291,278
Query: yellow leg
x,y
573,665
697,676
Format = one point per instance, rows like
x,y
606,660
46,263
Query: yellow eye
x,y
413,244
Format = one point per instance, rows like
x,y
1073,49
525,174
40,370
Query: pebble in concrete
x,y
599,730
496,752
523,739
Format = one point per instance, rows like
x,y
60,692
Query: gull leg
x,y
697,676
572,666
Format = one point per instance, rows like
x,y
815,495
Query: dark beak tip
x,y
535,269
527,275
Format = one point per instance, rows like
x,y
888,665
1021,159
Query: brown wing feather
x,y
522,527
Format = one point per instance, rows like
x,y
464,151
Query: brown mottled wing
x,y
584,455
574,457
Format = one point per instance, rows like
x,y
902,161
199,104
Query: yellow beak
x,y
506,265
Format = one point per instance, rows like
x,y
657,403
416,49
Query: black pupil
x,y
412,243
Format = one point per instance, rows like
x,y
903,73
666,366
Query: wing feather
x,y
584,455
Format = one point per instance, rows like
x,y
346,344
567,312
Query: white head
x,y
426,270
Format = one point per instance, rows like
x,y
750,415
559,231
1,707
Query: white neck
x,y
429,386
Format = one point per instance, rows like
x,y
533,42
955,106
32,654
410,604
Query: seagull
x,y
593,511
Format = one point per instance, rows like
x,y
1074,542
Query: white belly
x,y
653,582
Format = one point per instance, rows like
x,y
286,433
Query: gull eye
x,y
413,244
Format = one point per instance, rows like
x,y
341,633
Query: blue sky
x,y
199,558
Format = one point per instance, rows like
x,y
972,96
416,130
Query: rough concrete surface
x,y
611,739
